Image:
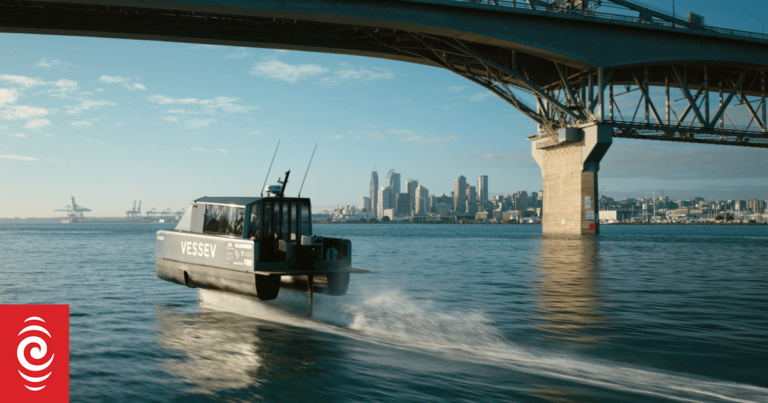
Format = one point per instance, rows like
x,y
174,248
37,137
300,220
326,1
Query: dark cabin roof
x,y
237,201
244,201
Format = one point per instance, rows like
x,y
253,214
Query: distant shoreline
x,y
478,223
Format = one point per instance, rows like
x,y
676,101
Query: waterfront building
x,y
521,200
402,204
433,202
471,194
393,181
756,206
482,188
460,194
422,204
385,200
374,192
410,188
364,204
443,210
471,208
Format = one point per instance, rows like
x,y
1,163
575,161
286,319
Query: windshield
x,y
185,223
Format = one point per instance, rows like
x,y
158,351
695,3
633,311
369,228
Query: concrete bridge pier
x,y
569,168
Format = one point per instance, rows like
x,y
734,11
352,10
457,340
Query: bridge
x,y
583,75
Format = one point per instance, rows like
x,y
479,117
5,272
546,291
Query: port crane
x,y
74,212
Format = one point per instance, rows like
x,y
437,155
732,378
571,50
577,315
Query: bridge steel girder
x,y
521,55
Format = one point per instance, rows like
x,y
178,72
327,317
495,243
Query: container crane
x,y
74,212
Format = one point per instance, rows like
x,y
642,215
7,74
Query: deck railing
x,y
607,16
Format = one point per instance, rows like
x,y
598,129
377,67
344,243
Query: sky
x,y
111,121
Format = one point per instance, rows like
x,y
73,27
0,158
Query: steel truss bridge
x,y
649,74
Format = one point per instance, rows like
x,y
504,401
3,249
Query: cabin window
x,y
185,223
294,219
306,220
254,228
224,220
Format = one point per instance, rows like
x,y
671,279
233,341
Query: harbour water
x,y
449,313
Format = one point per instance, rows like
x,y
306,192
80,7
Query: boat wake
x,y
398,321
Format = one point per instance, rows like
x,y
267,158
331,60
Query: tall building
x,y
410,188
393,181
460,194
385,200
756,206
482,188
364,204
374,192
402,204
521,200
421,204
471,194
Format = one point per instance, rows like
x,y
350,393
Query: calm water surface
x,y
449,313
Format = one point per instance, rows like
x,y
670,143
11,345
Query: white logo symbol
x,y
37,353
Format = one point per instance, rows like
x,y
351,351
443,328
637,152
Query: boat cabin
x,y
265,220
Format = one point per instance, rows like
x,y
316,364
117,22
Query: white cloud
x,y
285,72
88,105
48,135
21,112
163,100
18,135
222,150
37,124
427,140
170,118
180,111
124,81
82,123
197,123
238,56
480,96
349,72
197,149
226,104
8,96
21,80
18,158
50,63
255,132
337,137
457,88
401,132
62,88
113,80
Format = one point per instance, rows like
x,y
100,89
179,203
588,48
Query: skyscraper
x,y
422,203
482,188
385,200
364,204
410,188
471,194
402,204
393,181
460,194
374,190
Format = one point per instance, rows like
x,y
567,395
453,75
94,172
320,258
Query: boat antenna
x,y
305,173
270,168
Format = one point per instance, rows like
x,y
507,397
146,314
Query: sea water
x,y
448,313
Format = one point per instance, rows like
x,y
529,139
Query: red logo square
x,y
34,353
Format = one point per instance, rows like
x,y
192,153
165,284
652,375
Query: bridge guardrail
x,y
607,16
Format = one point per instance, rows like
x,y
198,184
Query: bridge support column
x,y
570,181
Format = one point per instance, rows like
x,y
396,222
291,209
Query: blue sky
x,y
111,121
